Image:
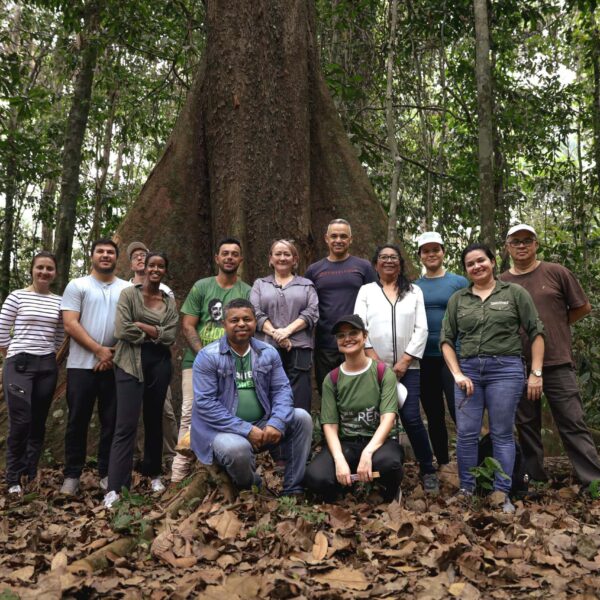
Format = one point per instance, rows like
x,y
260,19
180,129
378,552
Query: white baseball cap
x,y
429,237
521,227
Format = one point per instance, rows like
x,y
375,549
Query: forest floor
x,y
258,546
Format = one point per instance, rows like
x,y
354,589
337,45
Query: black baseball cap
x,y
353,320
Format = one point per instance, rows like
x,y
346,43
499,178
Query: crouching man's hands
x,y
264,437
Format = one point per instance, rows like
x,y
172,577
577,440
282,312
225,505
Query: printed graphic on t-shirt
x,y
215,308
213,329
361,423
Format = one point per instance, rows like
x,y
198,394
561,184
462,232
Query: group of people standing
x,y
382,347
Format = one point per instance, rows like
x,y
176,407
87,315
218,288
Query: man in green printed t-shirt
x,y
202,323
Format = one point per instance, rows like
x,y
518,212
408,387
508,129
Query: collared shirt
x,y
283,305
394,328
490,327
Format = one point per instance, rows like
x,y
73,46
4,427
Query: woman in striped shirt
x,y
31,331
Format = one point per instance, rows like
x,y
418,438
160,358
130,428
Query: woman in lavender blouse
x,y
287,311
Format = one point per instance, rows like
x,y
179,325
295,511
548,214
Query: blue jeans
x,y
235,454
499,382
410,415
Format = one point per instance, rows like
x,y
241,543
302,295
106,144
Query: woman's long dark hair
x,y
403,283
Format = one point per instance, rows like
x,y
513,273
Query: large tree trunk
x,y
595,58
74,135
483,75
258,152
390,121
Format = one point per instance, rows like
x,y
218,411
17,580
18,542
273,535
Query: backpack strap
x,y
380,371
334,375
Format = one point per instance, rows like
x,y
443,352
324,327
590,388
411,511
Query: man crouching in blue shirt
x,y
243,404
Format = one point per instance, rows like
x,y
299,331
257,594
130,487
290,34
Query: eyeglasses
x,y
523,242
137,255
389,258
342,335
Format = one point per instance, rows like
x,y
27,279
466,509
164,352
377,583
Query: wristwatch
x,y
536,372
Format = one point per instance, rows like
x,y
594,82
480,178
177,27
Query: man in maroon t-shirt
x,y
560,301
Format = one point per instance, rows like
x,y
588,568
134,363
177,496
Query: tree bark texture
x,y
595,57
74,136
8,228
259,151
392,228
483,76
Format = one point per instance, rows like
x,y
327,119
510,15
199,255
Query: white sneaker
x,y
157,485
70,486
110,499
15,489
104,483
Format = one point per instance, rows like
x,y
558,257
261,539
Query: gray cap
x,y
136,246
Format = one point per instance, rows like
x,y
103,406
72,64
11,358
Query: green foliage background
x,y
545,57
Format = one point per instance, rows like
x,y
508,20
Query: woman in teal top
x,y
437,286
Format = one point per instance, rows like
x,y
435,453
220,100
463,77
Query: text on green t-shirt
x,y
249,408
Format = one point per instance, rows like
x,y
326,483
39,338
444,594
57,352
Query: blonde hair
x,y
292,248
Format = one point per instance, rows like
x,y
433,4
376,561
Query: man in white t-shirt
x,y
89,308
137,252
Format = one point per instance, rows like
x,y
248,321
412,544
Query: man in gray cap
x,y
560,301
136,252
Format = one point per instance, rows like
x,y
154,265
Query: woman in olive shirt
x,y
486,318
145,327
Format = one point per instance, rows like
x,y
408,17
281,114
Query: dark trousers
x,y
132,395
29,383
320,474
83,387
326,360
296,364
410,416
437,382
562,393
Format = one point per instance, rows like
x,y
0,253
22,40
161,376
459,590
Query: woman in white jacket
x,y
394,314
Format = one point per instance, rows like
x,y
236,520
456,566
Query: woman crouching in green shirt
x,y
486,318
358,410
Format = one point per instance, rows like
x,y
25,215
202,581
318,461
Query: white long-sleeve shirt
x,y
31,322
394,328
